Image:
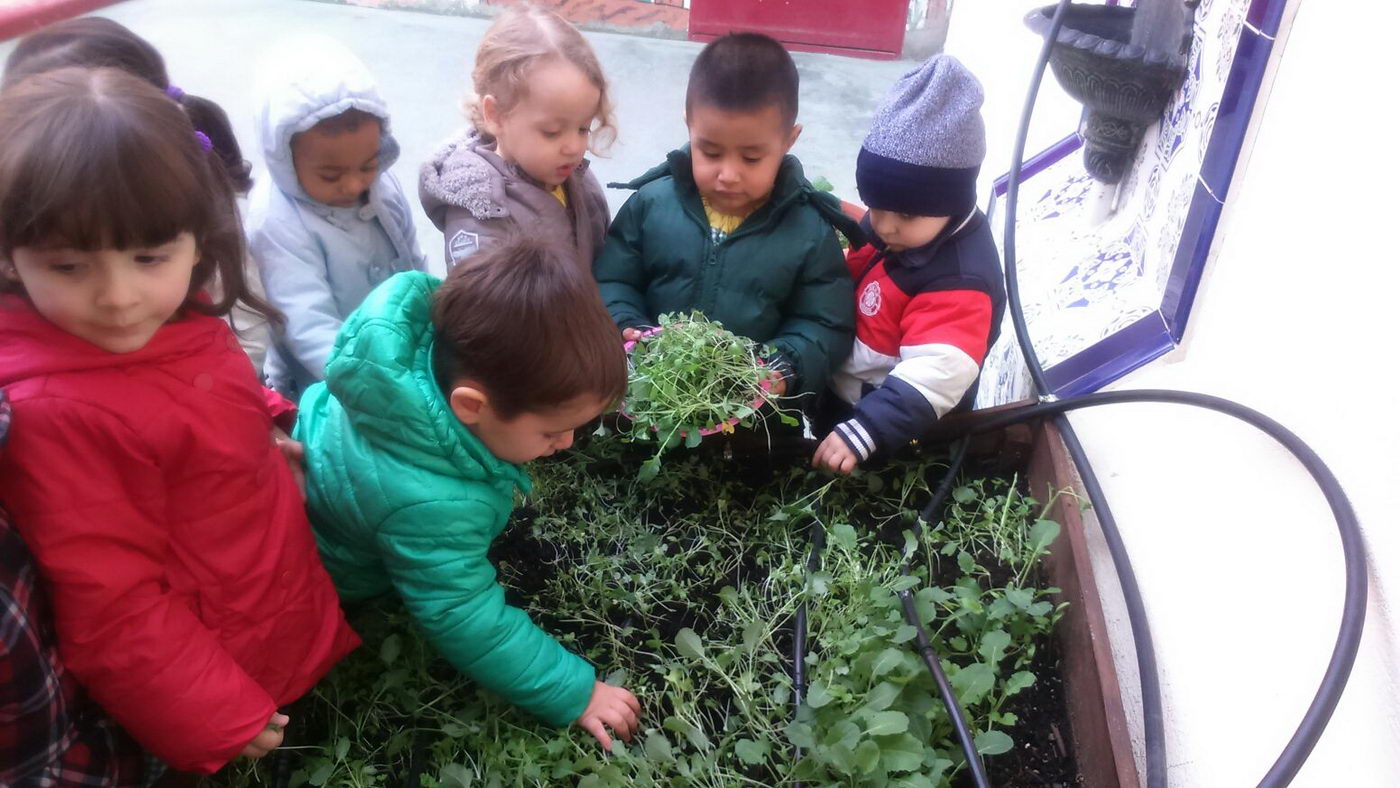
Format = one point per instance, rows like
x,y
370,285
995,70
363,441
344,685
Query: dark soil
x,y
1042,757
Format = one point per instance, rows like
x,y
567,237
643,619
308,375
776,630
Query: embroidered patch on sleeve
x,y
870,299
463,245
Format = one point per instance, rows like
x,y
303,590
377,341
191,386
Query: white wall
x,y
1235,550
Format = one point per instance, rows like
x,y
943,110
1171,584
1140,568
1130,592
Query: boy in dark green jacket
x,y
729,225
434,393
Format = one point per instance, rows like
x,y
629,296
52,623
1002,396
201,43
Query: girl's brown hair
x,y
523,321
522,36
99,159
95,42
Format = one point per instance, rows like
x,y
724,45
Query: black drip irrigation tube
x,y
924,644
928,517
1348,642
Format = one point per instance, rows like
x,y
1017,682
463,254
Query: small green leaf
x,y
903,634
694,735
751,752
322,774
1042,535
964,495
992,743
936,769
966,564
1018,681
887,723
842,757
689,644
692,439
911,544
843,734
649,470
972,683
817,695
904,583
867,756
658,748
753,634
390,648
886,661
1020,597
880,698
800,734
842,535
455,775
994,645
342,748
903,753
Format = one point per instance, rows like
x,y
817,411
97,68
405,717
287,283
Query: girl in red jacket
x,y
142,471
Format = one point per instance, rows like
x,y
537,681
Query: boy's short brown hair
x,y
523,322
744,72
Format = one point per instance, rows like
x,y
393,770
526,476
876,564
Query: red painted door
x,y
864,28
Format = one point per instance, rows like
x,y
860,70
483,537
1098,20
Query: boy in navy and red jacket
x,y
929,292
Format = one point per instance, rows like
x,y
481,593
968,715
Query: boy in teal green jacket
x,y
728,224
434,393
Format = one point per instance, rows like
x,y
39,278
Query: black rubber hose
x,y
799,630
1348,641
1153,719
1013,191
928,517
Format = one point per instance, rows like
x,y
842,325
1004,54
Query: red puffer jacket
x,y
188,595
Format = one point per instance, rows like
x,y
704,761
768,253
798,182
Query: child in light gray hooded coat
x,y
540,102
330,222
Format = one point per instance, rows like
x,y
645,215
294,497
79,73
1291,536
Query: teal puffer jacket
x,y
780,278
403,497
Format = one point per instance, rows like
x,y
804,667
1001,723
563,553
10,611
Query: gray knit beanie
x,y
926,143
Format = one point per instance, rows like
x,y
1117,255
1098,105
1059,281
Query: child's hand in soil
x,y
834,455
610,707
269,739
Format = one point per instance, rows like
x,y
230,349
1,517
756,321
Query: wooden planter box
x,y
1098,724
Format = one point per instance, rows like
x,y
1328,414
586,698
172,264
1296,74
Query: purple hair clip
x,y
204,141
174,92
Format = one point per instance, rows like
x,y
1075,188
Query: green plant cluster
x,y
693,375
684,590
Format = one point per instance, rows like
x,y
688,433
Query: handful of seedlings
x,y
691,378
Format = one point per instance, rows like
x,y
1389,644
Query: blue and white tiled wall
x,y
1102,296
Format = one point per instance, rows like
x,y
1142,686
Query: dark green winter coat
x,y
780,278
404,498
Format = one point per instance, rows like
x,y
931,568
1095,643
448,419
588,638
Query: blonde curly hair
x,y
520,37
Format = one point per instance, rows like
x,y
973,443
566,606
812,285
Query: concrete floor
x,y
422,62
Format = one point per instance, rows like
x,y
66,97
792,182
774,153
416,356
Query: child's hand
x,y
270,738
631,334
613,707
777,383
296,457
834,455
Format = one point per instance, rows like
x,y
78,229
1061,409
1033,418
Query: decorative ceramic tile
x,y
1103,290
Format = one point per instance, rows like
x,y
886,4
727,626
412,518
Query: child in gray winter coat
x,y
540,102
330,222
